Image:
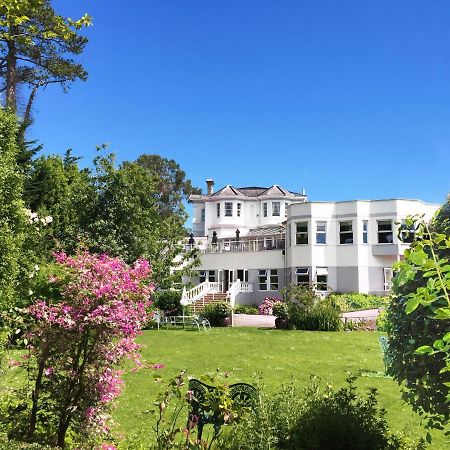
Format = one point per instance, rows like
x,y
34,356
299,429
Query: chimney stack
x,y
210,186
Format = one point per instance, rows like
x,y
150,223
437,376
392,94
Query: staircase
x,y
209,299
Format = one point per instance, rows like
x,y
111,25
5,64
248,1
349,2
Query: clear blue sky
x,y
348,99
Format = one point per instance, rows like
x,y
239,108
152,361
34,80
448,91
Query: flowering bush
x,y
266,307
79,339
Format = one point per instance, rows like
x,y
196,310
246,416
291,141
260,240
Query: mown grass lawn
x,y
277,355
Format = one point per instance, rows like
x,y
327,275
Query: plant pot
x,y
281,324
223,321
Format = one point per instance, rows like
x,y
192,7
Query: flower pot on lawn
x,y
223,321
281,323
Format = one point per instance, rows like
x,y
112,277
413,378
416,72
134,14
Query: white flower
x,y
48,219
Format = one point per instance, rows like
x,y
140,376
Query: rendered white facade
x,y
282,238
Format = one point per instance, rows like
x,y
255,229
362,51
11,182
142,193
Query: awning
x,y
265,231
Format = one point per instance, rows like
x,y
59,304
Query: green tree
x,y
419,316
129,219
37,46
12,217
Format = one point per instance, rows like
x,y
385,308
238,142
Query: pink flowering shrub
x,y
266,307
80,338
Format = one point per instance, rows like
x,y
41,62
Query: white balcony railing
x,y
245,246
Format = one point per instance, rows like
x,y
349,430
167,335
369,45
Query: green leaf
x,y
446,337
424,350
411,305
442,313
439,344
418,258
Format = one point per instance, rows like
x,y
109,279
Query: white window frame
x,y
299,234
202,274
203,215
264,206
218,209
321,272
387,278
345,233
244,273
385,232
276,209
265,280
301,272
228,209
365,233
286,204
323,232
238,209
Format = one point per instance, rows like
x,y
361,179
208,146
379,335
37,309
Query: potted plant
x,y
280,311
218,314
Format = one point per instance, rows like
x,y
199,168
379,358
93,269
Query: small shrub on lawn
x,y
217,311
168,302
266,307
281,310
321,317
246,309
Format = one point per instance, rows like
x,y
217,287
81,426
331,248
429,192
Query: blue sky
x,y
345,99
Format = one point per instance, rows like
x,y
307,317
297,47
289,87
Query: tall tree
x,y
172,186
12,217
36,49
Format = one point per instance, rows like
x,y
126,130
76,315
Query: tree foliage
x,y
12,217
419,316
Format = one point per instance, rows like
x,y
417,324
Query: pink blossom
x,y
157,366
49,371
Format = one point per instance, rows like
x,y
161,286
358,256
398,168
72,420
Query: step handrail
x,y
199,291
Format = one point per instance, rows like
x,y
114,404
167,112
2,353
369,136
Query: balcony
x,y
257,245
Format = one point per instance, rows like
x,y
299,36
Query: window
x,y
345,232
268,280
365,231
265,209
385,234
387,272
203,215
238,210
202,276
321,233
242,275
211,276
301,235
302,275
286,209
322,279
218,209
407,232
275,208
228,209
288,234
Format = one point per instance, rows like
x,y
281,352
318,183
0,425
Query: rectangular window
x,y
228,209
211,276
203,215
238,210
268,280
321,233
302,276
242,275
346,232
385,234
387,272
202,276
322,279
365,231
407,233
301,235
286,209
275,208
218,209
265,209
288,234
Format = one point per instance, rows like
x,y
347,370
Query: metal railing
x,y
245,246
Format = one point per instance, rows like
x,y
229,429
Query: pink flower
x,y
49,371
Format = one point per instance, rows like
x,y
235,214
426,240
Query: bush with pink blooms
x,y
77,342
266,307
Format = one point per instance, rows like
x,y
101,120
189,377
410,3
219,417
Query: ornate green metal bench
x,y
200,414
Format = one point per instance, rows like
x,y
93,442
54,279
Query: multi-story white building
x,y
269,238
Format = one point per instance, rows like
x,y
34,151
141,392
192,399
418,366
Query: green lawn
x,y
277,355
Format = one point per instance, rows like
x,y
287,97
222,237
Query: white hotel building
x,y
270,237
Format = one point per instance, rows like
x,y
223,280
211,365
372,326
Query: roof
x,y
265,231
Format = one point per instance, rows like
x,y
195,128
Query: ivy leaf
x,y
424,350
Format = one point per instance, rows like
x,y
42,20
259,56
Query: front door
x,y
227,279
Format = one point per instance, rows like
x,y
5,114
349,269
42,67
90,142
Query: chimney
x,y
303,191
209,186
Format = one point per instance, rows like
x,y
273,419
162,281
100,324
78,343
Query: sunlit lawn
x,y
277,355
